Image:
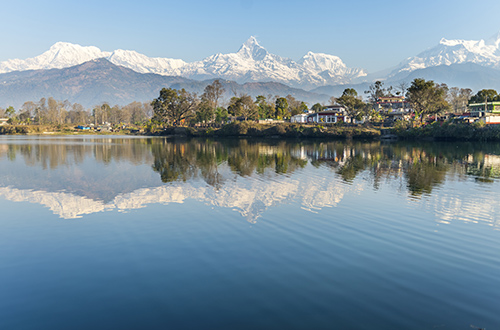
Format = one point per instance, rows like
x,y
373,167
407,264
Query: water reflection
x,y
75,176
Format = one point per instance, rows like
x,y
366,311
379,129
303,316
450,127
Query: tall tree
x,y
266,109
352,103
485,95
427,98
213,93
10,111
281,107
210,101
317,107
402,87
243,106
377,90
458,98
173,106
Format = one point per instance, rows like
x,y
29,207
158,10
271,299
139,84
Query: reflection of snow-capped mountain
x,y
251,198
251,63
247,196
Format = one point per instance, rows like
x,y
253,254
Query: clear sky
x,y
373,35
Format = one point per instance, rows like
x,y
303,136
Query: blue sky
x,y
373,35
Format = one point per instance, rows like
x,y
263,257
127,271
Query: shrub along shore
x,y
435,131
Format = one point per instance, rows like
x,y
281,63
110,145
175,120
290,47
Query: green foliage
x,y
221,115
317,107
243,106
10,112
351,102
449,131
281,107
427,98
485,95
265,109
174,107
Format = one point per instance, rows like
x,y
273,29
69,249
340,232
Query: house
x,y
4,121
480,109
300,118
488,112
392,104
331,114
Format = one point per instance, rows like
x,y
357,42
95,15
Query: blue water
x,y
140,233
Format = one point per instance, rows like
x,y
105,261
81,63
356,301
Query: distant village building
x,y
4,121
392,104
488,112
481,109
330,115
301,118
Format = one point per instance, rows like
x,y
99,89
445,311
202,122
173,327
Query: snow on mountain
x,y
60,55
254,63
143,64
251,63
447,52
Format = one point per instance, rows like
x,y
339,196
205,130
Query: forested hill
x,y
100,81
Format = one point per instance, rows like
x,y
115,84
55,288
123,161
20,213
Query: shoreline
x,y
433,132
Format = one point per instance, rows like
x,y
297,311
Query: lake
x,y
102,232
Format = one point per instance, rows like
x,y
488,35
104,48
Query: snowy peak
x,y
252,50
494,40
448,52
251,63
60,55
320,62
143,64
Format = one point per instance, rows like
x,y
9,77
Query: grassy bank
x,y
450,132
285,130
54,130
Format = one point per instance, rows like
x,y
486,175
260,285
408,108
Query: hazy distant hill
x,y
89,83
99,81
466,75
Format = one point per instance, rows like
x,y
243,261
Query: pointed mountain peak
x,y
251,42
495,39
252,50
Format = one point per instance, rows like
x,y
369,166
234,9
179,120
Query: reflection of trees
x,y
424,172
423,166
189,159
418,167
52,153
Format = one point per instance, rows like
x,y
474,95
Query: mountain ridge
x,y
251,63
99,80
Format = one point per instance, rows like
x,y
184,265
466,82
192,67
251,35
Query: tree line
x,y
173,107
51,111
176,107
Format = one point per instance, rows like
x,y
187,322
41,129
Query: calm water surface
x,y
148,233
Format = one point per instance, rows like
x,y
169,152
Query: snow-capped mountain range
x,y
448,52
251,63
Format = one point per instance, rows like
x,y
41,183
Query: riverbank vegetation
x,y
429,111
